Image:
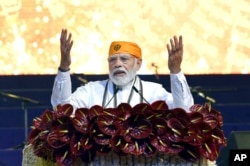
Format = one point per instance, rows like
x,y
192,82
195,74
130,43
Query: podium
x,y
143,135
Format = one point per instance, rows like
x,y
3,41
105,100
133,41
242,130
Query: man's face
x,y
123,68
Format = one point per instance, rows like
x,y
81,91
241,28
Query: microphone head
x,y
137,91
153,65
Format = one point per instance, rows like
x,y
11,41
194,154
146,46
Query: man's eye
x,y
124,59
112,59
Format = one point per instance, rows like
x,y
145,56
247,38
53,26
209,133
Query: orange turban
x,y
125,47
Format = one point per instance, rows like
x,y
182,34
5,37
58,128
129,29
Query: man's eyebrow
x,y
125,55
121,55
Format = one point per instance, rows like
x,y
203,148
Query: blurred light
x,y
37,20
40,51
35,44
45,19
215,34
38,9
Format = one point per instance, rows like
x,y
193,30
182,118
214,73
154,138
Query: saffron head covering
x,y
125,47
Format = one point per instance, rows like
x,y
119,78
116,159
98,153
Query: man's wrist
x,y
63,70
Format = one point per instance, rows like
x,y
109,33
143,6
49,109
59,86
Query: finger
x,y
63,34
176,42
169,50
71,44
172,44
180,42
69,38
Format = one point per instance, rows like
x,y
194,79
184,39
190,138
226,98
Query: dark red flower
x,y
206,130
103,149
141,109
196,117
176,130
79,143
95,110
137,127
218,136
175,147
106,124
81,120
64,157
211,120
203,133
159,126
57,139
179,113
36,134
191,133
159,105
87,141
209,150
64,110
161,143
117,143
136,147
75,144
196,108
98,136
190,153
150,150
123,111
43,122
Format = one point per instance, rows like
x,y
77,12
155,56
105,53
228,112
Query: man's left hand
x,y
175,54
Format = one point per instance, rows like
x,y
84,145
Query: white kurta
x,y
92,93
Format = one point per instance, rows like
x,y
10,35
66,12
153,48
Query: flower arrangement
x,y
145,129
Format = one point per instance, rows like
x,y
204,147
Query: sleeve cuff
x,y
62,70
62,75
177,75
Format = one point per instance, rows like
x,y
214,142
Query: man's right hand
x,y
65,47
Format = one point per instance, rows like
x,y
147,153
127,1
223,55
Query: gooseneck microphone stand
x,y
24,102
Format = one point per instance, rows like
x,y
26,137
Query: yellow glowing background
x,y
216,34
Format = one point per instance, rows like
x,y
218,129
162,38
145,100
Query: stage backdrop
x,y
215,33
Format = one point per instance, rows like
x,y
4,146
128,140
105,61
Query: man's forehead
x,y
121,55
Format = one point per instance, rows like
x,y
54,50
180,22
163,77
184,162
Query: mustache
x,y
119,70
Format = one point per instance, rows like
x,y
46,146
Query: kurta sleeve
x,y
182,97
62,89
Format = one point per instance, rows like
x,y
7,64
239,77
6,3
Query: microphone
x,y
116,90
83,80
202,95
139,93
154,65
156,70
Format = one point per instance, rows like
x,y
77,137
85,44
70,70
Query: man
x,y
123,85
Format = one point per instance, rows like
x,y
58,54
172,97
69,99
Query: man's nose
x,y
118,62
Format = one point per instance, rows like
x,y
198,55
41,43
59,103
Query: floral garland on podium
x,y
145,129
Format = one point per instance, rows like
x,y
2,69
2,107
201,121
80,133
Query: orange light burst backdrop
x,y
216,34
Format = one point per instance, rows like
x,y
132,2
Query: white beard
x,y
124,80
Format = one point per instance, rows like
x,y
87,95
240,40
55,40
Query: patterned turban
x,y
125,47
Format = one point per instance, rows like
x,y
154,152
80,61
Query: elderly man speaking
x,y
124,85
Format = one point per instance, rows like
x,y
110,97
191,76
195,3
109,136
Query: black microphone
x,y
116,90
156,70
137,91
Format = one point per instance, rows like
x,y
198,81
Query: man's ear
x,y
138,63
